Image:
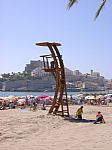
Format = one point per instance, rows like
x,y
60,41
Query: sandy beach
x,y
28,130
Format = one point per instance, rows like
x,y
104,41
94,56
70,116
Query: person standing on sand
x,y
26,101
43,106
79,113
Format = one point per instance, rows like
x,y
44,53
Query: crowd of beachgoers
x,y
12,102
92,99
25,125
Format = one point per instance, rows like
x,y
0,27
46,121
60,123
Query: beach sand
x,y
27,130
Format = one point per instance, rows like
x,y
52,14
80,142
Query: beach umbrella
x,y
1,100
29,96
108,95
11,96
101,97
21,102
76,97
90,97
42,96
48,100
108,99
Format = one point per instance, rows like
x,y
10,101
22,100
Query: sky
x,y
86,44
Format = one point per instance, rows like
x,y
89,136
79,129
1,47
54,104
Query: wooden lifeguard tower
x,y
53,63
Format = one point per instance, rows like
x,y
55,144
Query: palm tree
x,y
72,2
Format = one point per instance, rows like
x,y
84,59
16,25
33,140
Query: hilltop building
x,y
33,64
45,80
39,72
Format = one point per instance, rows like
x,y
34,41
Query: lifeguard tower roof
x,y
48,43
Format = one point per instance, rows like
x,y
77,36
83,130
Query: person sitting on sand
x,y
99,118
79,113
4,105
34,106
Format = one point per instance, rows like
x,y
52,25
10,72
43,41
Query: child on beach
x,y
99,118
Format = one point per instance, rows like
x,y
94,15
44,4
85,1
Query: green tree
x,y
72,2
6,76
